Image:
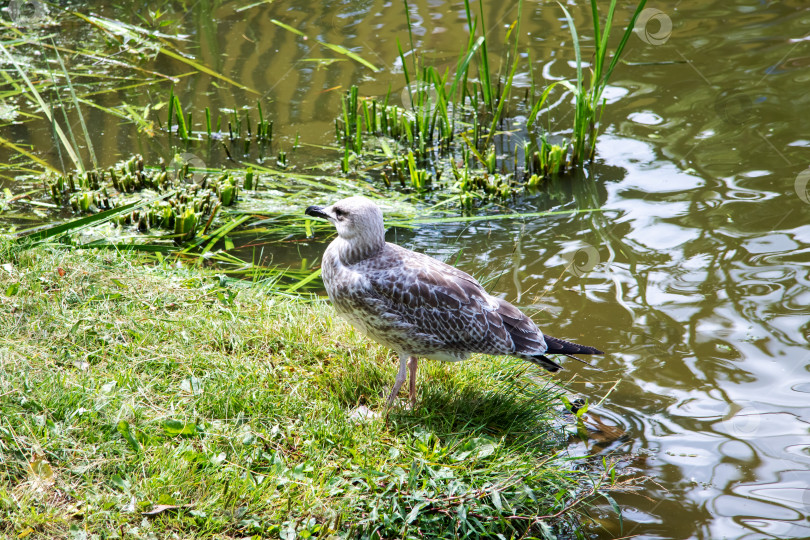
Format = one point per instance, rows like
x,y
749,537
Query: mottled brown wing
x,y
526,336
435,298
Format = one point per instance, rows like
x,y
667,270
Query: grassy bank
x,y
151,402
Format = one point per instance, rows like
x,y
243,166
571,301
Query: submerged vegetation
x,y
151,400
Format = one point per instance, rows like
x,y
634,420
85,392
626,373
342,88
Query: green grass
x,y
152,400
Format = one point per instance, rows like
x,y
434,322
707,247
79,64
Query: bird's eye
x,y
339,213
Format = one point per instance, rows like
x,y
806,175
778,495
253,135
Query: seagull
x,y
419,306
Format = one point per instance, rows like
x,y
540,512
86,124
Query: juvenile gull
x,y
419,306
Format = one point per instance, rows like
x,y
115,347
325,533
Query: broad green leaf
x,y
121,483
126,433
176,427
496,499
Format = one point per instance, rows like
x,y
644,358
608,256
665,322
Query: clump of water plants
x,y
239,127
185,199
469,127
236,127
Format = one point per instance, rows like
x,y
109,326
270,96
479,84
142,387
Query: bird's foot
x,y
397,402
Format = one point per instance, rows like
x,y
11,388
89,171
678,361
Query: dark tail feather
x,y
560,346
544,362
578,359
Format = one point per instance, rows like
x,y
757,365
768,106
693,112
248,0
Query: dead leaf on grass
x,y
160,508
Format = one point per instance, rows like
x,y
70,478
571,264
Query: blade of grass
x,y
484,73
580,107
297,285
599,80
626,36
29,155
45,109
475,152
508,86
216,235
171,109
532,118
182,131
464,63
410,38
354,56
465,219
289,28
110,27
405,73
87,139
337,48
148,248
38,234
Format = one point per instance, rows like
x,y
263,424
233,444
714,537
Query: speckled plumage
x,y
417,305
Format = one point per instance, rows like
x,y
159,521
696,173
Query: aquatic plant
x,y
589,103
239,126
186,198
451,125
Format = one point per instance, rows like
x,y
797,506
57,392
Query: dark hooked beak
x,y
316,211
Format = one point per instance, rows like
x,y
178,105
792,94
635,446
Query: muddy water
x,y
694,275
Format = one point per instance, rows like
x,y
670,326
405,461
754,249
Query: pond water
x,y
693,276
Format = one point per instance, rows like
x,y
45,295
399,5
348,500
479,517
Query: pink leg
x,y
412,364
403,361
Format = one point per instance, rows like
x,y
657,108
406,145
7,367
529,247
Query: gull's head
x,y
357,219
